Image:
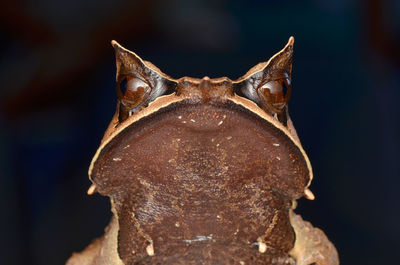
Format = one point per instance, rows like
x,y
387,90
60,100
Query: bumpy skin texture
x,y
203,171
312,246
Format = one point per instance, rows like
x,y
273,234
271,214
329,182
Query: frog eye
x,y
268,84
138,82
132,94
276,94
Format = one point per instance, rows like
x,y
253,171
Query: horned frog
x,y
204,171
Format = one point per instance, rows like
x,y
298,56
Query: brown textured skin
x,y
202,179
202,176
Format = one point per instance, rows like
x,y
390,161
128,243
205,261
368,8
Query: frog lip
x,y
164,101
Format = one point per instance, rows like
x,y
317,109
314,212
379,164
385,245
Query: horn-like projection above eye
x,y
269,84
138,82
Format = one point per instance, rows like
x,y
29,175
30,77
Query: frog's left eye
x,y
269,84
275,94
132,94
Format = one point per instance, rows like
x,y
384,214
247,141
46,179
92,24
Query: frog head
x,y
192,164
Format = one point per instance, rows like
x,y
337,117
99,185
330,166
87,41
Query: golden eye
x,y
276,93
132,93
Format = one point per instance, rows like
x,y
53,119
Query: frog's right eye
x,y
138,82
133,93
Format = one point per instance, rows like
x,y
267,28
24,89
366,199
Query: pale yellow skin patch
x,y
311,246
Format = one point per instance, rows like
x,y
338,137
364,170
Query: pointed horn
x,y
138,82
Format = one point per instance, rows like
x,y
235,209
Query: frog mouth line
x,y
164,104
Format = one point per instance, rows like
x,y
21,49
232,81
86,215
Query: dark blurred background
x,y
58,95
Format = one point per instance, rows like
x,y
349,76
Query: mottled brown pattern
x,y
217,171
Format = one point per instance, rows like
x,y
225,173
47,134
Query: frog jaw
x,y
162,103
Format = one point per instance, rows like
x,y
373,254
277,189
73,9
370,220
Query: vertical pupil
x,y
123,86
284,89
